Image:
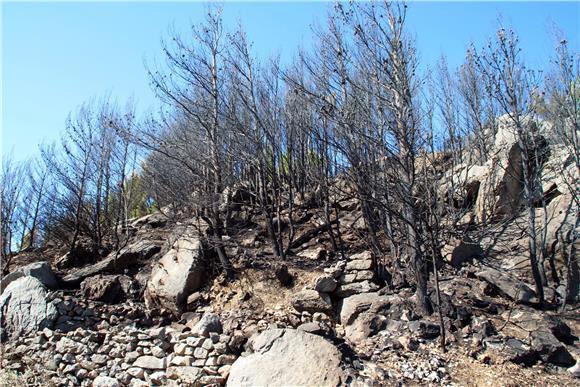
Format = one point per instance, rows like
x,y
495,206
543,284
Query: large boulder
x,y
180,272
560,240
364,315
288,357
39,270
459,251
111,289
24,307
507,285
501,187
311,301
129,256
325,284
210,322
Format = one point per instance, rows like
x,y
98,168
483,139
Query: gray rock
x,y
178,273
363,315
347,278
311,327
511,287
24,308
226,359
459,251
359,264
311,301
424,329
550,349
107,288
188,375
128,256
288,357
181,361
158,378
157,352
105,381
200,353
150,363
209,323
350,289
513,350
99,359
363,275
325,284
136,372
39,270
351,307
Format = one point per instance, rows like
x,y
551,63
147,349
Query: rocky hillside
x,y
158,312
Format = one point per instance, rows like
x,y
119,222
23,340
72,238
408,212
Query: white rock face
x,y
24,308
288,357
178,273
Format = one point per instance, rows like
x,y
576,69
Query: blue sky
x,y
57,55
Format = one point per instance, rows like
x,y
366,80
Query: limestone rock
x,y
105,381
311,301
514,289
359,264
178,273
24,308
106,288
314,253
188,374
325,284
364,315
349,289
150,363
209,323
116,262
39,270
288,357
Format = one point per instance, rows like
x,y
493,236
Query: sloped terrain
x,y
159,311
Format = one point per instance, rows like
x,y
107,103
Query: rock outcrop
x,y
362,315
507,285
180,272
108,288
24,307
288,357
129,256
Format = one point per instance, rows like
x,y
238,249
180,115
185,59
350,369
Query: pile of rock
x,y
127,355
355,275
344,279
76,313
